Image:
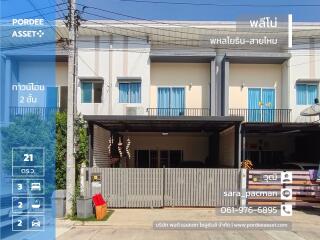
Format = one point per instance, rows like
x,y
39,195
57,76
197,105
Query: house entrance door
x,y
171,101
261,104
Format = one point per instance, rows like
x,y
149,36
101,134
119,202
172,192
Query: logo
x,y
264,22
27,34
40,33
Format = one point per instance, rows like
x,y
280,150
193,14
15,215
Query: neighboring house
x,y
23,67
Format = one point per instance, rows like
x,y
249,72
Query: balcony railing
x,y
41,112
178,112
262,115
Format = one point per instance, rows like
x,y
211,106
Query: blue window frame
x,y
130,92
171,101
306,93
91,92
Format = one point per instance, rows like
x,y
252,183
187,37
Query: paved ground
x,y
136,224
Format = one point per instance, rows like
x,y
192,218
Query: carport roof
x,y
163,124
280,127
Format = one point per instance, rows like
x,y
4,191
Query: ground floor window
x,y
158,158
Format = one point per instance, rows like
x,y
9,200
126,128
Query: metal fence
x,y
190,187
262,115
167,187
305,189
40,112
172,112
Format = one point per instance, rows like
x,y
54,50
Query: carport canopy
x,y
280,128
122,123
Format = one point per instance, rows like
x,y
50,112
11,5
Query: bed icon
x,y
35,186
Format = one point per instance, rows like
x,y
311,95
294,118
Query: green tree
x,y
30,131
61,150
33,131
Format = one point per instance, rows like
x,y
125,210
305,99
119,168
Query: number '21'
x,y
28,157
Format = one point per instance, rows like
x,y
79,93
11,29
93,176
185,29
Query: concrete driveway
x,y
137,224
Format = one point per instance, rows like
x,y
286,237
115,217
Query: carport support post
x,y
243,144
163,185
237,149
243,186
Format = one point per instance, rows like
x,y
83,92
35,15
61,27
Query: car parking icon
x,y
35,223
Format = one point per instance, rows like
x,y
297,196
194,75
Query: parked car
x,y
299,165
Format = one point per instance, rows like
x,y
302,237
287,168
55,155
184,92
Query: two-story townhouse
x,y
271,93
156,94
159,100
165,94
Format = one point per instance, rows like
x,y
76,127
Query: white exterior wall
x,y
304,64
99,57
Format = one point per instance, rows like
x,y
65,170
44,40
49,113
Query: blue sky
x,y
191,12
157,11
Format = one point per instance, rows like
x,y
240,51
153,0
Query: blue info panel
x,y
28,105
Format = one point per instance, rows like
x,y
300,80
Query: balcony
x,y
42,112
173,112
262,115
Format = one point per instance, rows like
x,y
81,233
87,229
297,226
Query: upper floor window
x,y
91,91
306,93
129,92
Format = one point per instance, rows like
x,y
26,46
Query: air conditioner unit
x,y
133,110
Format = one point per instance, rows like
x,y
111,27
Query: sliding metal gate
x,y
190,187
168,187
